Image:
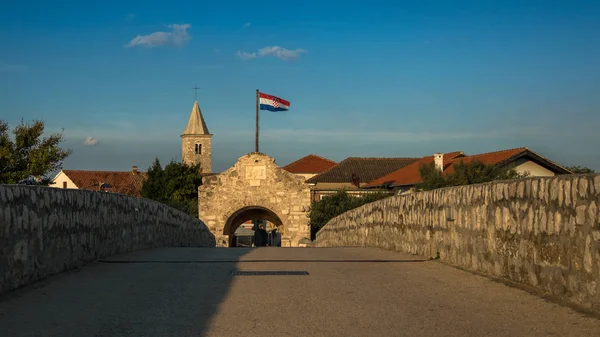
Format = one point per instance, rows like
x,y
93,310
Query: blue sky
x,y
373,78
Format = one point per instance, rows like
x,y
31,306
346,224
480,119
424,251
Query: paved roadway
x,y
190,292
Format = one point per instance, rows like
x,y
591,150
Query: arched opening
x,y
256,214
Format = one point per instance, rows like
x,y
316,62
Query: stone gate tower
x,y
196,141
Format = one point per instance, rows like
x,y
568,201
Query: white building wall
x,y
534,169
60,180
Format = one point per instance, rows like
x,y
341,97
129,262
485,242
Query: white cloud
x,y
177,37
276,51
90,141
282,53
247,24
246,56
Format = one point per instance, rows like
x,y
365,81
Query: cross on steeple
x,y
195,92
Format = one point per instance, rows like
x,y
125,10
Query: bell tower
x,y
196,141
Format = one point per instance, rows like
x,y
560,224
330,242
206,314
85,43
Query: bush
x,y
474,172
329,207
580,169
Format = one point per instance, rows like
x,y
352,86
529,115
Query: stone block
x,y
534,188
558,222
592,214
561,192
567,193
587,255
581,215
574,194
543,220
583,188
553,186
550,223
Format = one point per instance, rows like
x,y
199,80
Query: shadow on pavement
x,y
145,293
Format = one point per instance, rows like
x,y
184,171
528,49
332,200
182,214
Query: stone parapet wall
x,y
45,231
542,232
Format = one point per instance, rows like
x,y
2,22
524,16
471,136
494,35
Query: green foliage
x,y
431,176
329,207
580,169
474,172
176,185
28,154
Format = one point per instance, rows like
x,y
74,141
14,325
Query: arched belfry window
x,y
198,149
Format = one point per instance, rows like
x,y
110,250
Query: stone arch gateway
x,y
255,188
249,213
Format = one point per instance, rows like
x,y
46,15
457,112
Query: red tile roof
x,y
121,182
490,158
310,164
410,175
366,169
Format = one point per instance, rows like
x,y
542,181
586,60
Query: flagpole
x,y
256,140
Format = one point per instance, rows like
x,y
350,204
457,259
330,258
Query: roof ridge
x,y
308,155
550,161
327,159
523,148
329,169
444,153
371,158
368,168
98,171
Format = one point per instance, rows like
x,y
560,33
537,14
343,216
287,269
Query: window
x,y
325,195
198,149
64,184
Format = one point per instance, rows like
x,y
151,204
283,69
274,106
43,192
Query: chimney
x,y
439,161
134,169
355,180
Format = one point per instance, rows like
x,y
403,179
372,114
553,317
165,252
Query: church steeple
x,y
196,141
196,124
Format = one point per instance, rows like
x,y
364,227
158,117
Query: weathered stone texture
x,y
44,231
256,181
543,232
189,156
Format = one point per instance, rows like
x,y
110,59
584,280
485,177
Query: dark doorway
x,y
241,225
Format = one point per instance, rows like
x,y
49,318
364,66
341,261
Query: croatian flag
x,y
272,103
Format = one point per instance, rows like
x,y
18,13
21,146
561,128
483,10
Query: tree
x,y
176,185
28,154
580,169
432,177
329,207
473,172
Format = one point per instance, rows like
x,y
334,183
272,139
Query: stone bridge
x,y
527,253
540,232
45,231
